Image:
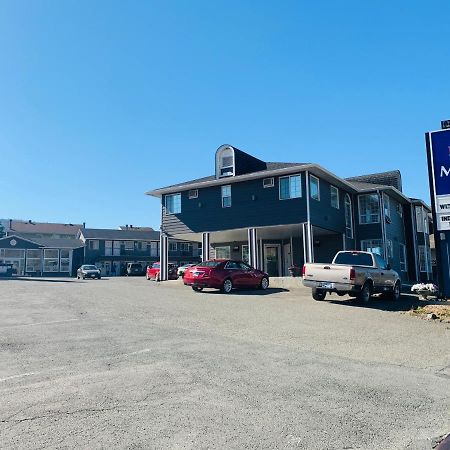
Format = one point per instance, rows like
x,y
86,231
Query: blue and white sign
x,y
439,152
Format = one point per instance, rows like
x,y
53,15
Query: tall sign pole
x,y
438,155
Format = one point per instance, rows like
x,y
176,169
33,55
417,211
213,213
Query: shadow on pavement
x,y
406,303
268,291
47,280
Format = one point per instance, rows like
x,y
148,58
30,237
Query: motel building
x,y
275,215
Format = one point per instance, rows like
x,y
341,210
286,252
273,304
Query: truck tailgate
x,y
328,273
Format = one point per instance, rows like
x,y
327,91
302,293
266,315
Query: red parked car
x,y
225,274
153,272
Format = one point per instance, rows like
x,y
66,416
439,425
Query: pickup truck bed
x,y
358,274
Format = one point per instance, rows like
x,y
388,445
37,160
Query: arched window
x,y
225,162
348,217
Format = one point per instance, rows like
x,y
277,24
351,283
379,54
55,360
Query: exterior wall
x,y
252,206
326,247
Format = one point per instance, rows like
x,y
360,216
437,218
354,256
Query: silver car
x,y
88,271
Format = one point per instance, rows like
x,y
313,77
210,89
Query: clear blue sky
x,y
113,98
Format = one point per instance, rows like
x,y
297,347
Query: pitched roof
x,y
392,178
58,243
21,226
270,166
361,186
123,235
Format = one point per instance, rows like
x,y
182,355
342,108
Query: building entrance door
x,y
272,259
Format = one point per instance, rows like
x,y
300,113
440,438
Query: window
x,y
153,248
422,258
116,248
389,249
173,204
334,194
402,257
93,245
290,187
369,208
108,248
348,217
268,182
245,256
64,261
381,263
185,246
129,245
173,246
226,196
372,245
314,191
193,193
34,261
226,162
223,252
51,260
399,208
353,259
387,206
232,265
144,246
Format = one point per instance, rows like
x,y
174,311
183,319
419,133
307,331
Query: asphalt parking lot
x,y
127,363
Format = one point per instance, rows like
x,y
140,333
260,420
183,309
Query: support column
x,y
163,257
308,250
205,246
253,256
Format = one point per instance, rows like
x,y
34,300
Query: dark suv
x,y
134,269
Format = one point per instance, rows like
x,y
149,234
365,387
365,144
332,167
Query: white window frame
x,y
129,245
65,259
227,248
177,203
399,208
116,248
193,193
34,259
311,178
331,196
270,183
299,175
242,254
348,229
368,245
360,211
403,258
185,247
387,206
389,249
226,196
54,258
108,248
173,246
154,245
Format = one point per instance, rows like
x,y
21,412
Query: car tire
x,y
365,294
396,292
197,288
83,277
158,277
318,294
99,277
146,276
227,286
264,284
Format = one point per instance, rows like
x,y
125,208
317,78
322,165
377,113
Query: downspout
x,y
308,219
383,224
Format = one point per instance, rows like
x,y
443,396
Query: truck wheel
x,y
396,291
318,294
365,294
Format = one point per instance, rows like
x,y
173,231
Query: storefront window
x,y
64,260
51,260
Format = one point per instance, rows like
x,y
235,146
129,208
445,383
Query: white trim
x,y
290,176
165,204
278,246
347,195
227,196
318,187
377,193
222,247
194,193
269,185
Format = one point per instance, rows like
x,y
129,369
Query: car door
x,y
384,278
249,277
234,271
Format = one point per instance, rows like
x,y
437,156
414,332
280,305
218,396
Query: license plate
x,y
326,285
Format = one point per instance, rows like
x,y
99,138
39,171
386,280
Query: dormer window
x,y
225,162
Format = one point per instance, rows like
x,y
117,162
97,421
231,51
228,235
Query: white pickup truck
x,y
358,274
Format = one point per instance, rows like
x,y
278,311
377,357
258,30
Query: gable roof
x,y
391,178
59,243
119,235
21,226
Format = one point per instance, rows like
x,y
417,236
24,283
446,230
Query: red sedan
x,y
153,272
224,274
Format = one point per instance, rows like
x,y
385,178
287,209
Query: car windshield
x,y
354,259
135,266
89,267
209,264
